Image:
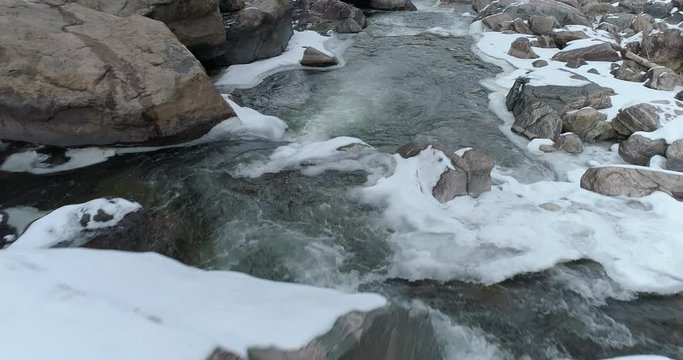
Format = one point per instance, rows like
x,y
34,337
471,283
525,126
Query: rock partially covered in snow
x,y
570,143
73,225
469,174
589,124
632,181
316,58
629,71
597,52
664,47
662,78
640,117
674,156
638,149
521,48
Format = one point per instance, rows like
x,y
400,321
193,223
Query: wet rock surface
x,y
633,182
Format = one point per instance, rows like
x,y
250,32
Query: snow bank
x,y
517,228
75,304
249,75
69,224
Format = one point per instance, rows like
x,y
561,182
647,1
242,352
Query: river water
x,y
398,85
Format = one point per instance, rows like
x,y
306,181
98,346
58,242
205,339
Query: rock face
x,y
589,124
521,48
633,182
662,78
196,23
664,48
538,109
392,5
261,29
674,156
324,15
471,173
316,58
598,52
640,117
638,149
70,75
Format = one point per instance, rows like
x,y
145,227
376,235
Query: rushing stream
x,y
397,86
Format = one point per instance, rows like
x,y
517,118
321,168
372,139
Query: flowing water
x,y
398,85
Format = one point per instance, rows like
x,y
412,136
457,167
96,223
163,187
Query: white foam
x,y
505,232
534,145
64,225
110,305
249,124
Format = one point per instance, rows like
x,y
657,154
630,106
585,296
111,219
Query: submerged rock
x,y
316,58
638,149
674,156
633,182
260,30
521,48
76,76
640,117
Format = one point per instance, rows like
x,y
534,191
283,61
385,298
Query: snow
x,y
63,225
77,304
249,75
33,162
535,144
504,232
249,124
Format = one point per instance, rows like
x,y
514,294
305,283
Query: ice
x,y
505,232
81,304
249,123
67,224
249,75
33,162
535,145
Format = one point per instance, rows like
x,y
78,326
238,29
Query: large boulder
x,y
633,182
260,30
542,25
589,124
497,22
674,156
638,149
563,13
597,52
196,23
325,15
391,5
640,117
665,48
538,110
662,78
71,75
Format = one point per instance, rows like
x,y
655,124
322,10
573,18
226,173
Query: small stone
x,y
539,63
594,71
521,48
316,58
575,63
550,206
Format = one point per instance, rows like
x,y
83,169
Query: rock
x,y
662,78
657,10
679,96
598,8
542,25
316,58
539,63
370,335
550,206
561,38
260,30
196,23
570,143
479,5
497,22
544,41
230,5
7,233
107,83
633,182
629,71
611,29
392,5
538,109
643,23
640,117
589,124
547,148
593,71
520,26
674,156
479,166
563,13
638,149
621,21
521,48
575,63
452,183
633,6
664,48
325,15
411,149
598,52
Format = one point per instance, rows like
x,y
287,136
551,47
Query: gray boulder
x,y
497,22
575,63
479,166
621,21
521,48
563,37
633,6
589,124
638,149
674,156
452,183
325,15
260,30
570,143
629,71
520,26
640,117
316,58
539,63
543,25
538,110
71,75
632,182
598,52
196,23
662,78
